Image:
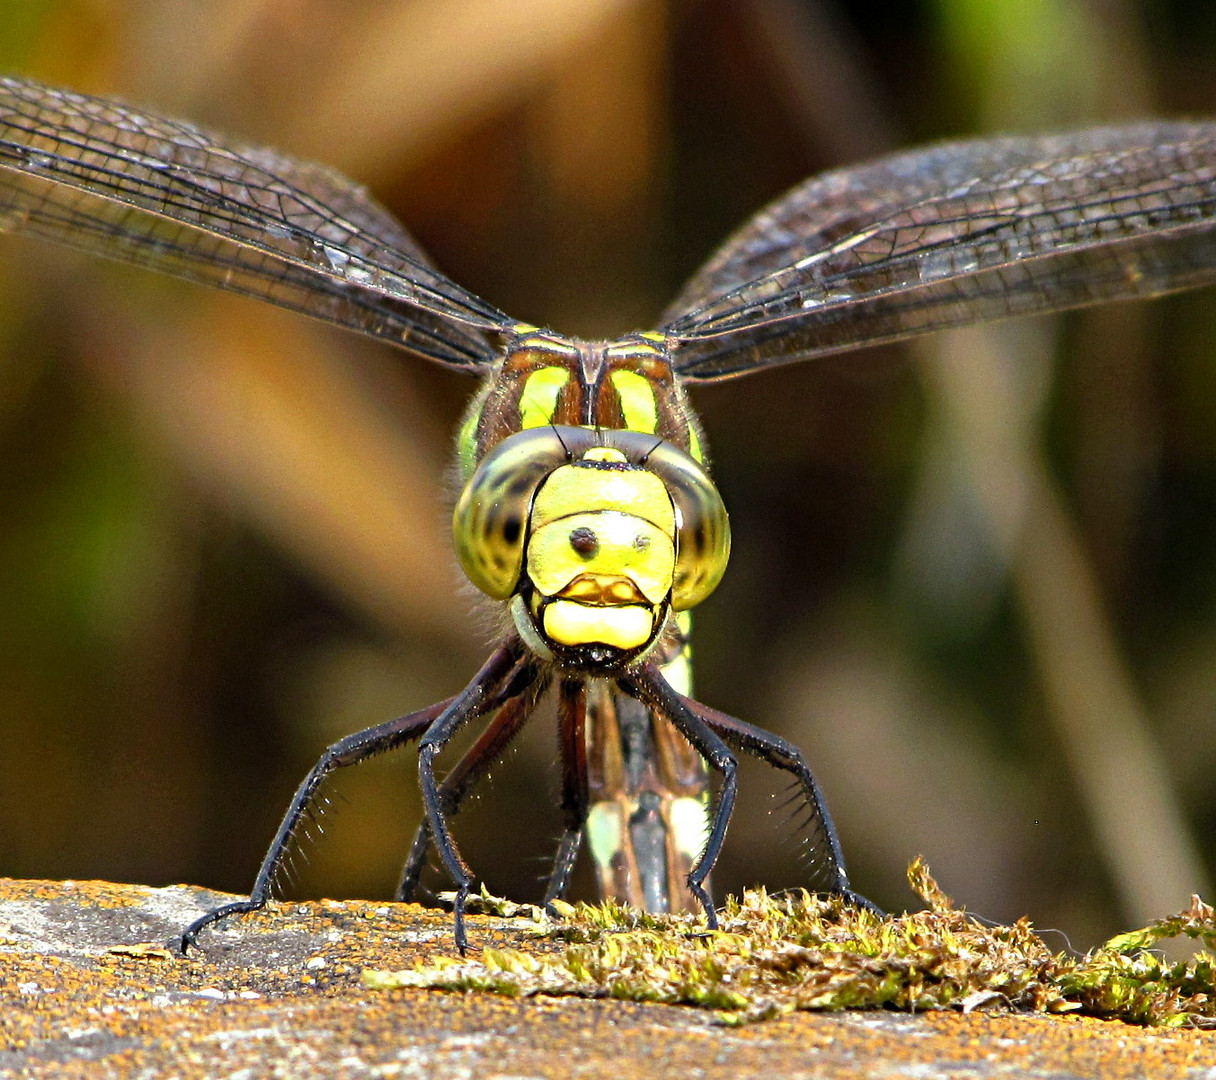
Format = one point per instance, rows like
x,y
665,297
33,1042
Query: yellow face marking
x,y
638,403
625,546
538,402
570,623
574,488
604,453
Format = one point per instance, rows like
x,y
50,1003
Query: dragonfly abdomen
x,y
648,821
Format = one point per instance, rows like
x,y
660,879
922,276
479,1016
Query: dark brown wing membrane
x,y
165,194
954,234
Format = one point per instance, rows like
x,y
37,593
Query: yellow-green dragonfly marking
x,y
587,509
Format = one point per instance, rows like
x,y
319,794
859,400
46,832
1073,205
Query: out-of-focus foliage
x,y
223,541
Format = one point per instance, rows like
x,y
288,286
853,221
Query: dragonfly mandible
x,y
588,513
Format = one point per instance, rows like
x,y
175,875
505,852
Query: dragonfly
x,y
588,513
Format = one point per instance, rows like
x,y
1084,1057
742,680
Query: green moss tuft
x,y
773,955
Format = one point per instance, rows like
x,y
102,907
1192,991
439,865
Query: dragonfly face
x,y
592,524
587,508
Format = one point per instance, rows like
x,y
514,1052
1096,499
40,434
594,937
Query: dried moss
x,y
774,955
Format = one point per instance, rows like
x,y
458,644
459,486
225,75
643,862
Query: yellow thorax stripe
x,y
538,402
638,405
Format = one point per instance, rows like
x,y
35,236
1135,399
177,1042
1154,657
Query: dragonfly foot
x,y
859,901
189,936
462,896
707,905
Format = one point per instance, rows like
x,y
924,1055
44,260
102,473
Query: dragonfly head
x,y
595,537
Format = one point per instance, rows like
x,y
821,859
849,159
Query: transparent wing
x,y
954,234
100,176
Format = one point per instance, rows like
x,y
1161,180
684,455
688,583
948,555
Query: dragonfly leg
x,y
515,704
348,751
471,702
649,687
571,722
781,754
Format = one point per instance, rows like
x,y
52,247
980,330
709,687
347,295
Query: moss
x,y
774,955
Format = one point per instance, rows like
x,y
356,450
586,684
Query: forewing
x,y
954,234
161,193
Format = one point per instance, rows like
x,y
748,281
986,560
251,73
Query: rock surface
x,y
88,988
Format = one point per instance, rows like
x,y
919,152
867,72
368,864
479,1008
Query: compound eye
x,y
702,530
490,523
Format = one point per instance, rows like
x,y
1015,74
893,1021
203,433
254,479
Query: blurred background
x,y
974,578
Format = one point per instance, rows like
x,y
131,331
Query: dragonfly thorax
x,y
594,536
